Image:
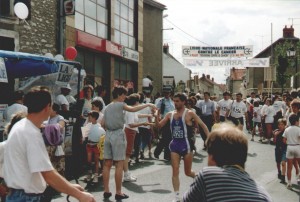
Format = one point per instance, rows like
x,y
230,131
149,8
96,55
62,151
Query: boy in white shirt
x,y
291,137
94,135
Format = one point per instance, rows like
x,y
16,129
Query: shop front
x,y
107,63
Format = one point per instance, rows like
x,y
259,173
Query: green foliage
x,y
285,65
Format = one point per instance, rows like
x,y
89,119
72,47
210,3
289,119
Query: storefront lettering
x,y
3,74
130,54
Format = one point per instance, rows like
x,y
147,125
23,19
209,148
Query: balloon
x,y
59,57
71,53
21,10
49,55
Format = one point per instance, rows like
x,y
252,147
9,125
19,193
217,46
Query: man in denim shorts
x,y
115,141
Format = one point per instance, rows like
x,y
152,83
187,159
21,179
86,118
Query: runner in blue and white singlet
x,y
181,122
181,135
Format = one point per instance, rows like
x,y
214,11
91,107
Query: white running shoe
x,y
176,199
129,178
289,186
88,177
95,179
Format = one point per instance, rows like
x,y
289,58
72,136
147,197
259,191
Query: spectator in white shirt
x,y
16,107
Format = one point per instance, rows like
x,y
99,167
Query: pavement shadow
x,y
160,191
139,188
163,162
134,187
199,155
141,164
197,160
94,187
296,188
252,155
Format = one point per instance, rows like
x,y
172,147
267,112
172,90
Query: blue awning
x,y
19,65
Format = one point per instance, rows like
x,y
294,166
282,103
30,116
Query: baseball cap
x,y
66,87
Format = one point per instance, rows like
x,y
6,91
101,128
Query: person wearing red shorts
x,y
96,131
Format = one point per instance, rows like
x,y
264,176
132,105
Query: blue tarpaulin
x,y
19,65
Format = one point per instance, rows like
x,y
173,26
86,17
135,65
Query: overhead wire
x,y
187,33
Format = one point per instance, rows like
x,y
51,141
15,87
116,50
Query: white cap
x,y
67,87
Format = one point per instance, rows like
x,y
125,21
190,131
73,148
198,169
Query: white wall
x,y
171,67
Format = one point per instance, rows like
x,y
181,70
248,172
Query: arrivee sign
x,y
218,62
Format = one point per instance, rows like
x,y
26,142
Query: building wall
x,y
141,45
171,67
152,45
40,36
255,77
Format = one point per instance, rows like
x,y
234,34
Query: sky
x,y
226,23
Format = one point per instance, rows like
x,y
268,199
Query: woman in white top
x,y
269,120
131,129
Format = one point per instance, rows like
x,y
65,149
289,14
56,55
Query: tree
x,y
284,64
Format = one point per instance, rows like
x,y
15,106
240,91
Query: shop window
x,y
90,26
123,71
79,6
124,39
130,29
79,18
131,4
90,9
89,63
117,37
124,2
124,11
80,56
117,7
101,14
117,23
117,69
101,30
129,72
91,16
102,3
123,23
98,66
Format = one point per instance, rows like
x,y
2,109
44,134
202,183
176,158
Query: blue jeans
x,y
17,195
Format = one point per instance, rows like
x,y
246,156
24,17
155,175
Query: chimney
x,y
212,79
203,75
166,48
288,32
208,76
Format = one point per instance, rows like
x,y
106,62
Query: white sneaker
x,y
177,199
129,178
88,177
289,186
95,179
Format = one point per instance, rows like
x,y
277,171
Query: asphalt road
x,y
154,177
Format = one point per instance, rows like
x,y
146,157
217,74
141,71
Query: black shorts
x,y
278,155
237,121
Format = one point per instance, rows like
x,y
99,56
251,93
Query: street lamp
x,y
291,52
